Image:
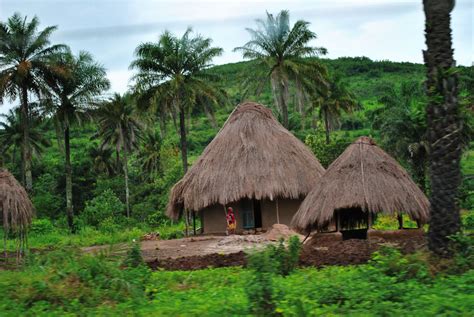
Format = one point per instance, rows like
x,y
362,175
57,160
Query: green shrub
x,y
391,262
285,259
41,227
108,225
463,247
46,199
134,256
468,220
259,287
106,205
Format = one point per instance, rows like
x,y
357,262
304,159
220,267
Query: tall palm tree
x,y
119,128
444,125
72,99
172,75
24,62
334,102
280,51
11,136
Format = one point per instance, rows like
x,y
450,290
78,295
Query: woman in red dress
x,y
231,222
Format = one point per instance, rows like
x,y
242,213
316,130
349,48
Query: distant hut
x,y
15,207
253,165
361,183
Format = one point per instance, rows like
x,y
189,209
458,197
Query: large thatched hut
x,y
253,165
361,183
15,206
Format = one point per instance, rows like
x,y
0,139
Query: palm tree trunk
x,y
284,101
326,126
26,140
184,144
443,125
127,189
117,157
280,94
68,170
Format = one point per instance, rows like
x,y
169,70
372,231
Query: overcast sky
x,y
111,29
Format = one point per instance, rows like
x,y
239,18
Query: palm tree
x,y
102,160
402,127
280,51
334,102
150,154
72,99
444,125
172,74
11,136
119,128
25,60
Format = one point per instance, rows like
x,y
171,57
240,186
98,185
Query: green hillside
x,y
369,80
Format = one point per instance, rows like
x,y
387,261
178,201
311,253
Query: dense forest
x,y
391,110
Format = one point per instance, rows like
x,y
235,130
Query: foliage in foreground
x,y
62,283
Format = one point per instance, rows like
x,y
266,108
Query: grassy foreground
x,y
65,283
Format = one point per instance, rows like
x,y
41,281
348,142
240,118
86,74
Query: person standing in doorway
x,y
231,222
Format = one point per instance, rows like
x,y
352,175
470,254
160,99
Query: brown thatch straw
x,y
252,156
365,177
15,205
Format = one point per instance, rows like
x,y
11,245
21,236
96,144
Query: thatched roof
x,y
365,177
252,156
15,205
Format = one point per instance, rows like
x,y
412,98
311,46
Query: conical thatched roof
x,y
252,156
15,205
365,177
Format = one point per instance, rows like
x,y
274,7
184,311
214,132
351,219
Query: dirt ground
x,y
218,251
201,245
316,254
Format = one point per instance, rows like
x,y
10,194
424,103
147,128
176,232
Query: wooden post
x,y
338,221
400,221
369,220
194,222
186,221
307,236
278,212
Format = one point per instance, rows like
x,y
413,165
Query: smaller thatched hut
x,y
253,165
362,182
15,206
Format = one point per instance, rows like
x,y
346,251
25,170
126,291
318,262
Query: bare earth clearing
x,y
218,251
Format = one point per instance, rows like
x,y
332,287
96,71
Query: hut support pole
x,y
418,224
338,221
194,222
369,220
307,236
400,221
186,221
278,212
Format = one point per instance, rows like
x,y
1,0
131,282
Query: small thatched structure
x,y
361,182
15,206
252,159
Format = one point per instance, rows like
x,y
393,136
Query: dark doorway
x,y
251,213
257,211
354,234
